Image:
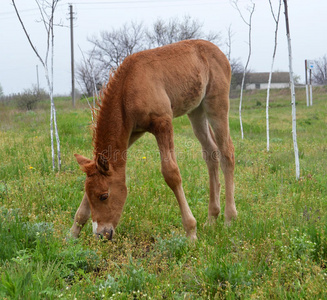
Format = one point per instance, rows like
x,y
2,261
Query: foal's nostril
x,y
105,235
108,234
99,236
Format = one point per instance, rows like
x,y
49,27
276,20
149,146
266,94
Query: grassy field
x,y
276,249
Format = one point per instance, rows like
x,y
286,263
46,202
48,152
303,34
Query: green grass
x,y
276,249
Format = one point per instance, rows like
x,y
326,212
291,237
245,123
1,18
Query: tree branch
x,y
28,37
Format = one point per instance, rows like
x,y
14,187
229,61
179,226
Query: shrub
x,y
30,97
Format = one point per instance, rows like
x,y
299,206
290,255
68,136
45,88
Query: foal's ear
x,y
102,164
82,161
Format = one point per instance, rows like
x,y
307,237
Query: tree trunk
x,y
240,106
271,69
249,24
267,103
48,23
296,151
51,136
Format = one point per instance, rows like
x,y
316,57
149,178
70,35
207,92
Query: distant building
x,y
279,80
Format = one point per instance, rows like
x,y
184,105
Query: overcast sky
x,y
308,26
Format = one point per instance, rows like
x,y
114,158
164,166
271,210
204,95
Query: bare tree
x,y
109,50
320,71
89,75
276,19
296,151
113,46
250,9
237,72
228,42
47,9
171,31
236,64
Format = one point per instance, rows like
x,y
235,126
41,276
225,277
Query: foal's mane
x,y
105,103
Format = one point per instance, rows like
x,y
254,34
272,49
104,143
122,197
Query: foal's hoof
x,y
75,230
72,236
192,236
212,220
230,216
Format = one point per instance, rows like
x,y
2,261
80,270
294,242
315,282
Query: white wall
x,y
264,86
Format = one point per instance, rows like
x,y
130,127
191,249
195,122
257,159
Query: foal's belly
x,y
187,94
186,103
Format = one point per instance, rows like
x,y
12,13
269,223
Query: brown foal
x,y
147,91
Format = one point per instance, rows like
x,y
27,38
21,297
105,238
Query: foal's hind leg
x,y
209,148
134,137
218,118
163,130
83,213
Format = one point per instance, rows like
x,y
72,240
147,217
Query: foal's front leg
x,y
83,213
163,131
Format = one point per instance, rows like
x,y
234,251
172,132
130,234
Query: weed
x,y
26,279
133,277
175,247
76,258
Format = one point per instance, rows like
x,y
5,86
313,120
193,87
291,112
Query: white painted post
x,y
311,65
310,86
306,82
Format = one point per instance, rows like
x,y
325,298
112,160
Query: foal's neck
x,y
111,132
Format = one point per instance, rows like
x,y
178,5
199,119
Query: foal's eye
x,y
104,197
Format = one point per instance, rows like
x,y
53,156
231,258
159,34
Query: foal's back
x,y
174,79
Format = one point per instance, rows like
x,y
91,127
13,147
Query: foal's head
x,y
106,192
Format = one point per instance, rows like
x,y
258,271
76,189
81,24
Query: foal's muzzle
x,y
106,234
